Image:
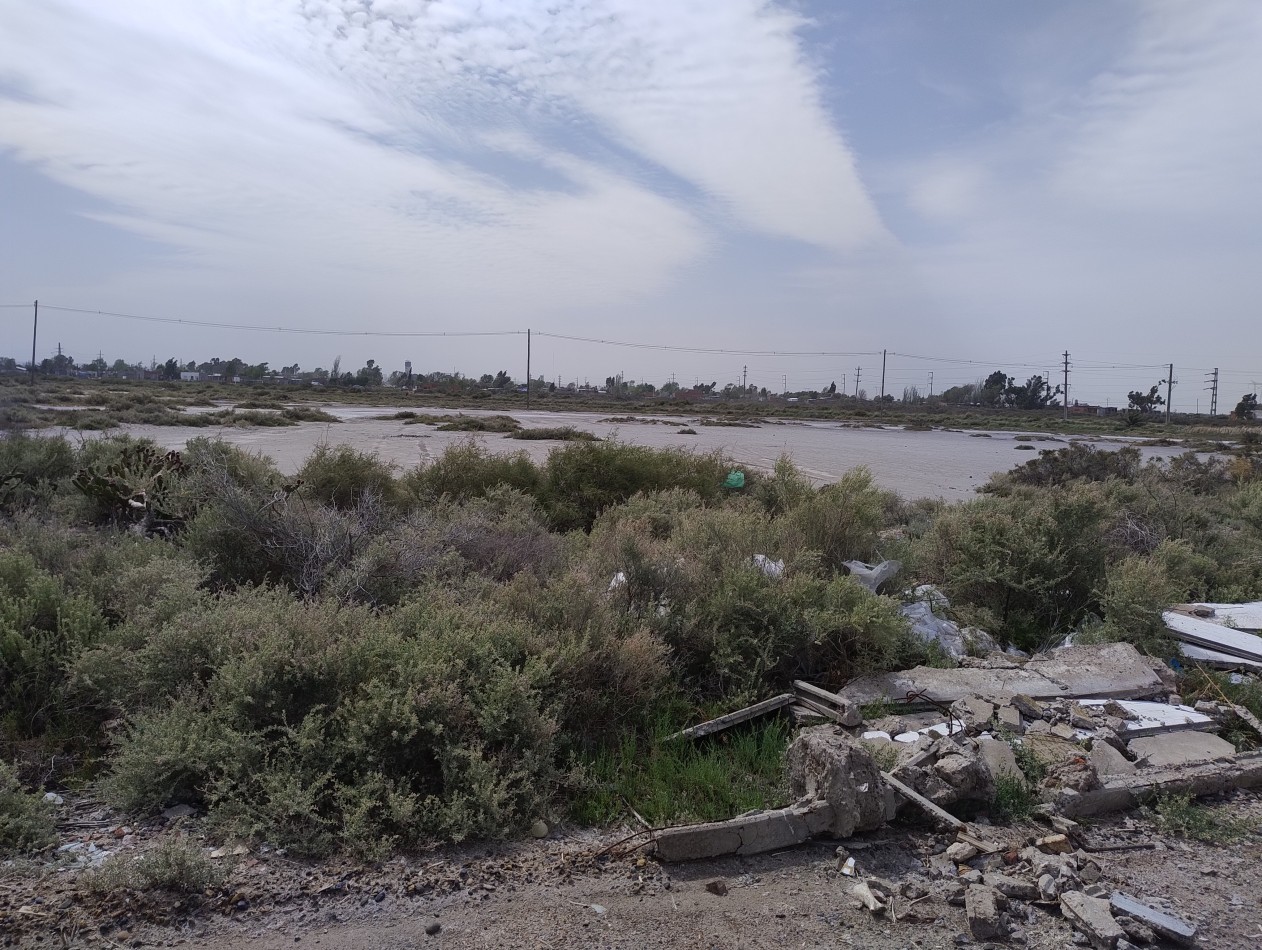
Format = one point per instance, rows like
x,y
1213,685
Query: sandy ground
x,y
937,464
571,891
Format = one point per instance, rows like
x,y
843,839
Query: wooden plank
x,y
912,795
735,718
817,694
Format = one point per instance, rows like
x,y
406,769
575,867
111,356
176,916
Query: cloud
x,y
480,156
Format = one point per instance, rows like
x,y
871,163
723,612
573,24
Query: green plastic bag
x,y
735,480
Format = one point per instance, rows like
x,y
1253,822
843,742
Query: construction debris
x,y
733,718
1219,634
1167,925
872,577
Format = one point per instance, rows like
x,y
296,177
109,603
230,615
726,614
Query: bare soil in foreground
x,y
582,888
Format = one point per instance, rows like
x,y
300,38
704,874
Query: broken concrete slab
x,y
1169,926
982,908
999,757
749,834
1109,762
1110,670
842,710
1114,670
1092,917
1180,748
1217,660
825,765
1213,636
1125,792
1011,886
733,718
1149,718
1010,719
1247,616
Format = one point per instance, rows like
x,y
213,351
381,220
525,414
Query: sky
x,y
791,187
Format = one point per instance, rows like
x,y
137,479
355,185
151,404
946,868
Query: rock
x,y
1012,887
1054,844
539,829
967,775
1181,748
1088,871
1081,718
434,929
867,898
1037,726
981,907
954,894
1135,930
178,811
1047,887
827,766
1065,732
1169,926
1028,707
972,709
1108,761
971,877
1010,719
717,888
1093,918
960,852
53,798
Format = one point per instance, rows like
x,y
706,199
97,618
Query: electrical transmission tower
x,y
1212,385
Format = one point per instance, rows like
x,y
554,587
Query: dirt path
x,y
563,893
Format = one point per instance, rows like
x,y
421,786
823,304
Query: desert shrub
x,y
479,424
31,467
1076,462
1033,560
42,628
249,529
26,820
342,477
1137,590
556,434
496,537
841,521
174,864
469,470
742,633
583,479
784,489
319,727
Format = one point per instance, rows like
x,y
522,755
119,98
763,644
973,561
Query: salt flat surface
x,y
938,464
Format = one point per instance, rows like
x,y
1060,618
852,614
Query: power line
x,y
300,330
698,349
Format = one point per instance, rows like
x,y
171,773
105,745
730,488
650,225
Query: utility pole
x,y
857,371
1169,391
34,333
527,367
744,379
1065,389
786,384
930,384
882,376
1213,392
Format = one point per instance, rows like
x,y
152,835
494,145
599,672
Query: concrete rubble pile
x,y
1100,721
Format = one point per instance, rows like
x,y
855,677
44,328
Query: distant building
x,y
190,377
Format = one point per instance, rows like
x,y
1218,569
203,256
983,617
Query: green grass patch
x,y
1014,798
681,781
478,424
1183,816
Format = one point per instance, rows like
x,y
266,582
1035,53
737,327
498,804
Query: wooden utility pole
x,y
34,334
882,376
527,367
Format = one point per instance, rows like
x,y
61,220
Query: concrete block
x,y
1181,748
981,907
1108,761
751,834
1092,917
1169,926
998,757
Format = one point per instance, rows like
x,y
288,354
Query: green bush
x,y
1138,589
583,479
42,629
342,477
174,864
469,470
31,467
26,820
841,521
